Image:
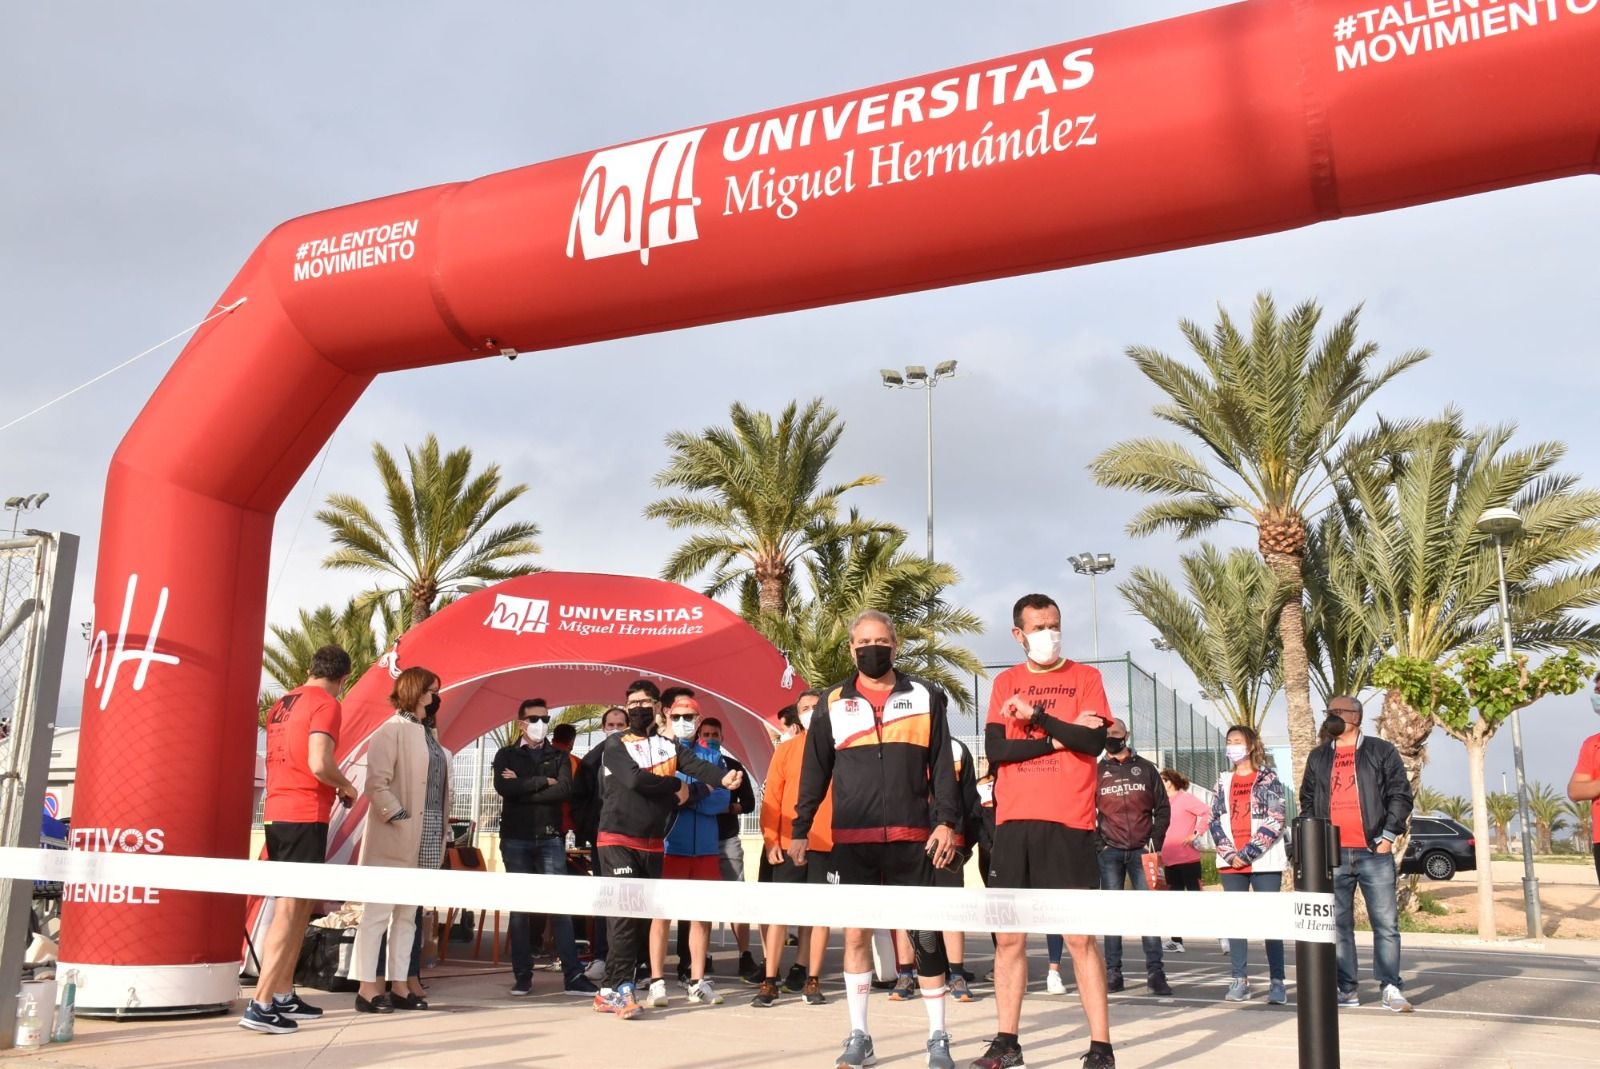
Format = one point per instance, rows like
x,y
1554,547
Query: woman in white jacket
x,y
1247,821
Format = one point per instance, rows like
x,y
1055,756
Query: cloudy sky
x,y
152,146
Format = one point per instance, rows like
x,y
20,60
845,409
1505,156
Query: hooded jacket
x,y
892,775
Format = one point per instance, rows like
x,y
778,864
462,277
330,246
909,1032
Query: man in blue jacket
x,y
693,852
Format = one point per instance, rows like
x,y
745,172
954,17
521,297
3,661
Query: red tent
x,y
570,638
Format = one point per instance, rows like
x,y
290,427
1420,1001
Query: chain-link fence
x,y
19,564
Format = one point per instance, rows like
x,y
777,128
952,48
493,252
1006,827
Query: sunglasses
x,y
682,716
536,719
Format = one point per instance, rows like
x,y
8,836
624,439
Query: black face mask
x,y
1115,745
431,710
875,661
1334,725
639,720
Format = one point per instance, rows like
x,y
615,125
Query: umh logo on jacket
x,y
636,197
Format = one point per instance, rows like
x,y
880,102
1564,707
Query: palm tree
x,y
1428,800
873,570
1225,629
1424,578
1548,807
1340,652
755,497
287,659
440,513
1456,807
1270,409
1582,823
1501,809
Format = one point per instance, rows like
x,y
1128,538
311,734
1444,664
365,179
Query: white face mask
x,y
613,730
535,730
683,729
1594,702
1236,753
805,718
1044,647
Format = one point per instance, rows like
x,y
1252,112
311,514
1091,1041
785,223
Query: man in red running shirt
x,y
1584,786
302,780
1046,727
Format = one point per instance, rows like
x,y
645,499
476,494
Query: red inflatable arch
x,y
1239,120
572,638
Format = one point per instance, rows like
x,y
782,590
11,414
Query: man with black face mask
x,y
1133,817
881,740
1360,784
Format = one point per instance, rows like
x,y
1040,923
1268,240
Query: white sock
x,y
283,997
933,1002
857,985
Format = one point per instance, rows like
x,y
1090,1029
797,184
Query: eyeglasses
x,y
645,704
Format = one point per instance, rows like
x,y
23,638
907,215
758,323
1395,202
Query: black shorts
x,y
815,870
629,863
287,841
885,864
951,877
1043,855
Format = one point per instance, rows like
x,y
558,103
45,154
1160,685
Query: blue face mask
x,y
714,745
1594,702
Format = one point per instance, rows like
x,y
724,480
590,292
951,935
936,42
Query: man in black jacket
x,y
1360,784
586,815
534,780
1133,818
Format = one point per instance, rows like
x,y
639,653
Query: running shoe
x,y
939,1051
813,992
607,1001
1114,980
521,988
267,1020
1157,983
766,995
750,971
580,985
1277,993
905,988
627,1005
1349,998
958,989
1394,1000
657,999
704,992
1238,990
296,1009
796,980
1000,1055
857,1051
596,970
1096,1060
1174,946
1053,984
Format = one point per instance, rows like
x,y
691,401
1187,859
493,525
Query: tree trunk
x,y
423,594
770,577
1408,731
1480,832
1286,567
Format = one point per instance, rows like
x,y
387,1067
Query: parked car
x,y
1440,848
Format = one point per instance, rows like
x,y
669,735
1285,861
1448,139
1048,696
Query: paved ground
x,y
1476,1007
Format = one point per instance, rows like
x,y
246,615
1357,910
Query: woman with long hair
x,y
408,798
1247,821
1180,851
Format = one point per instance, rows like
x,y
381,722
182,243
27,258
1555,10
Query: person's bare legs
x,y
858,950
699,943
659,930
1011,979
955,950
741,938
1089,969
281,948
818,940
772,938
903,954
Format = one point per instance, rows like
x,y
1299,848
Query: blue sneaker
x,y
296,1008
268,1020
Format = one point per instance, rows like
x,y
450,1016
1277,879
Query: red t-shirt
x,y
294,795
1239,792
1058,786
1344,800
1589,764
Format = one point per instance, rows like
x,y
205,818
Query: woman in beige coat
x,y
408,794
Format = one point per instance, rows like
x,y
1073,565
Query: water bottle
x,y
65,1008
30,1031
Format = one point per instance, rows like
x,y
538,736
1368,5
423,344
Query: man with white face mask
x,y
1584,786
534,778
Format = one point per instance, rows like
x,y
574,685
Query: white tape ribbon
x,y
1291,916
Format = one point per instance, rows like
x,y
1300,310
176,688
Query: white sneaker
x,y
704,992
656,999
1394,1001
1053,983
1224,944
596,970
1172,946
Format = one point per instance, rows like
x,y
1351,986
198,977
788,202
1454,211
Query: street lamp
x,y
1503,524
1093,565
16,506
917,377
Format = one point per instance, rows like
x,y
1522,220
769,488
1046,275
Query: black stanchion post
x,y
1316,967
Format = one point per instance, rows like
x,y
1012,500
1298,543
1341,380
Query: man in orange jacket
x,y
777,816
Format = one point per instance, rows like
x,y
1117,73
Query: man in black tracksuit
x,y
882,742
1133,818
640,793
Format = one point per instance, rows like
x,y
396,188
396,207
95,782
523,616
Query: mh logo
x,y
526,616
1000,910
635,197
